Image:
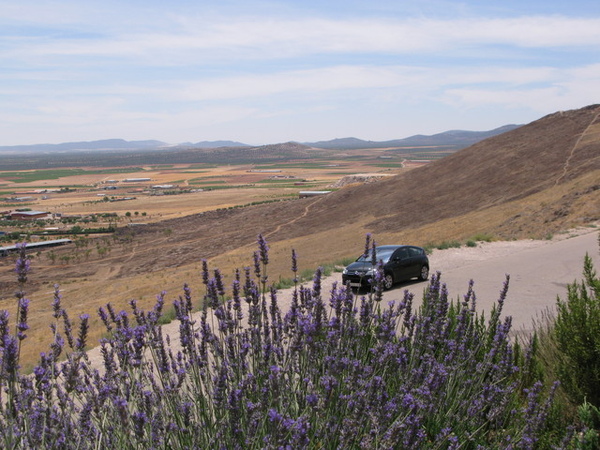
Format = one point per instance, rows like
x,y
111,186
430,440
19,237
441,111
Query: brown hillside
x,y
556,158
547,153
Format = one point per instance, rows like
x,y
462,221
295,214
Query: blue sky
x,y
273,71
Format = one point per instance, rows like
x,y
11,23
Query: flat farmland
x,y
155,193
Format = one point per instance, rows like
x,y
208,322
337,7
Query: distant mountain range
x,y
214,144
454,139
110,145
105,144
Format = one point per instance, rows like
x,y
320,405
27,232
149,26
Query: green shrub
x,y
590,418
168,316
346,261
577,329
448,244
307,274
283,283
482,237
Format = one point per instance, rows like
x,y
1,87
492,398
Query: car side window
x,y
401,253
414,251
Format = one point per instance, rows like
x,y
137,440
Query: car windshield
x,y
381,254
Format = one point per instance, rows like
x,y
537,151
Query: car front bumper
x,y
357,281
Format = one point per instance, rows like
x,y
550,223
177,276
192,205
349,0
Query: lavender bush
x,y
336,370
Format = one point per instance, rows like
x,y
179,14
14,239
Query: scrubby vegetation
x,y
336,370
578,335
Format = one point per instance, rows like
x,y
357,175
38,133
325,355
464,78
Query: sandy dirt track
x,y
539,272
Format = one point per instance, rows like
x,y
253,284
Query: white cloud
x,y
566,89
121,70
355,78
315,80
268,38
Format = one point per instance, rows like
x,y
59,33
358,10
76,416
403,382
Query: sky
x,y
262,72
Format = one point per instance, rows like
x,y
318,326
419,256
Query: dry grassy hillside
x,y
530,182
557,156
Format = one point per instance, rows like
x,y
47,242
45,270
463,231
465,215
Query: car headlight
x,y
370,272
345,271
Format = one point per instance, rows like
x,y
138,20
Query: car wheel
x,y
424,273
388,281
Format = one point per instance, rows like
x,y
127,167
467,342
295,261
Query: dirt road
x,y
539,272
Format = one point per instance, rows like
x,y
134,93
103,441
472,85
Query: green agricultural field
x,y
280,180
395,165
295,165
54,174
198,181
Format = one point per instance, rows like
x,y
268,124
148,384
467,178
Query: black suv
x,y
400,263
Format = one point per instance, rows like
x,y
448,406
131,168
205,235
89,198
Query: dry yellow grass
x,y
85,294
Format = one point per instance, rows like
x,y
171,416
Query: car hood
x,y
359,266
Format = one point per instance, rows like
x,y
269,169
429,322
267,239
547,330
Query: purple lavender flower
x,y
22,325
68,327
373,253
316,290
22,264
219,283
274,416
56,307
187,295
236,299
257,269
312,399
295,265
335,376
140,420
10,357
367,245
104,317
205,273
263,249
212,294
377,284
3,323
156,312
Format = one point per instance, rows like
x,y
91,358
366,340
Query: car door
x,y
401,264
415,261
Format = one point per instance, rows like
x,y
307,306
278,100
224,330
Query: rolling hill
x,y
84,146
452,140
533,181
